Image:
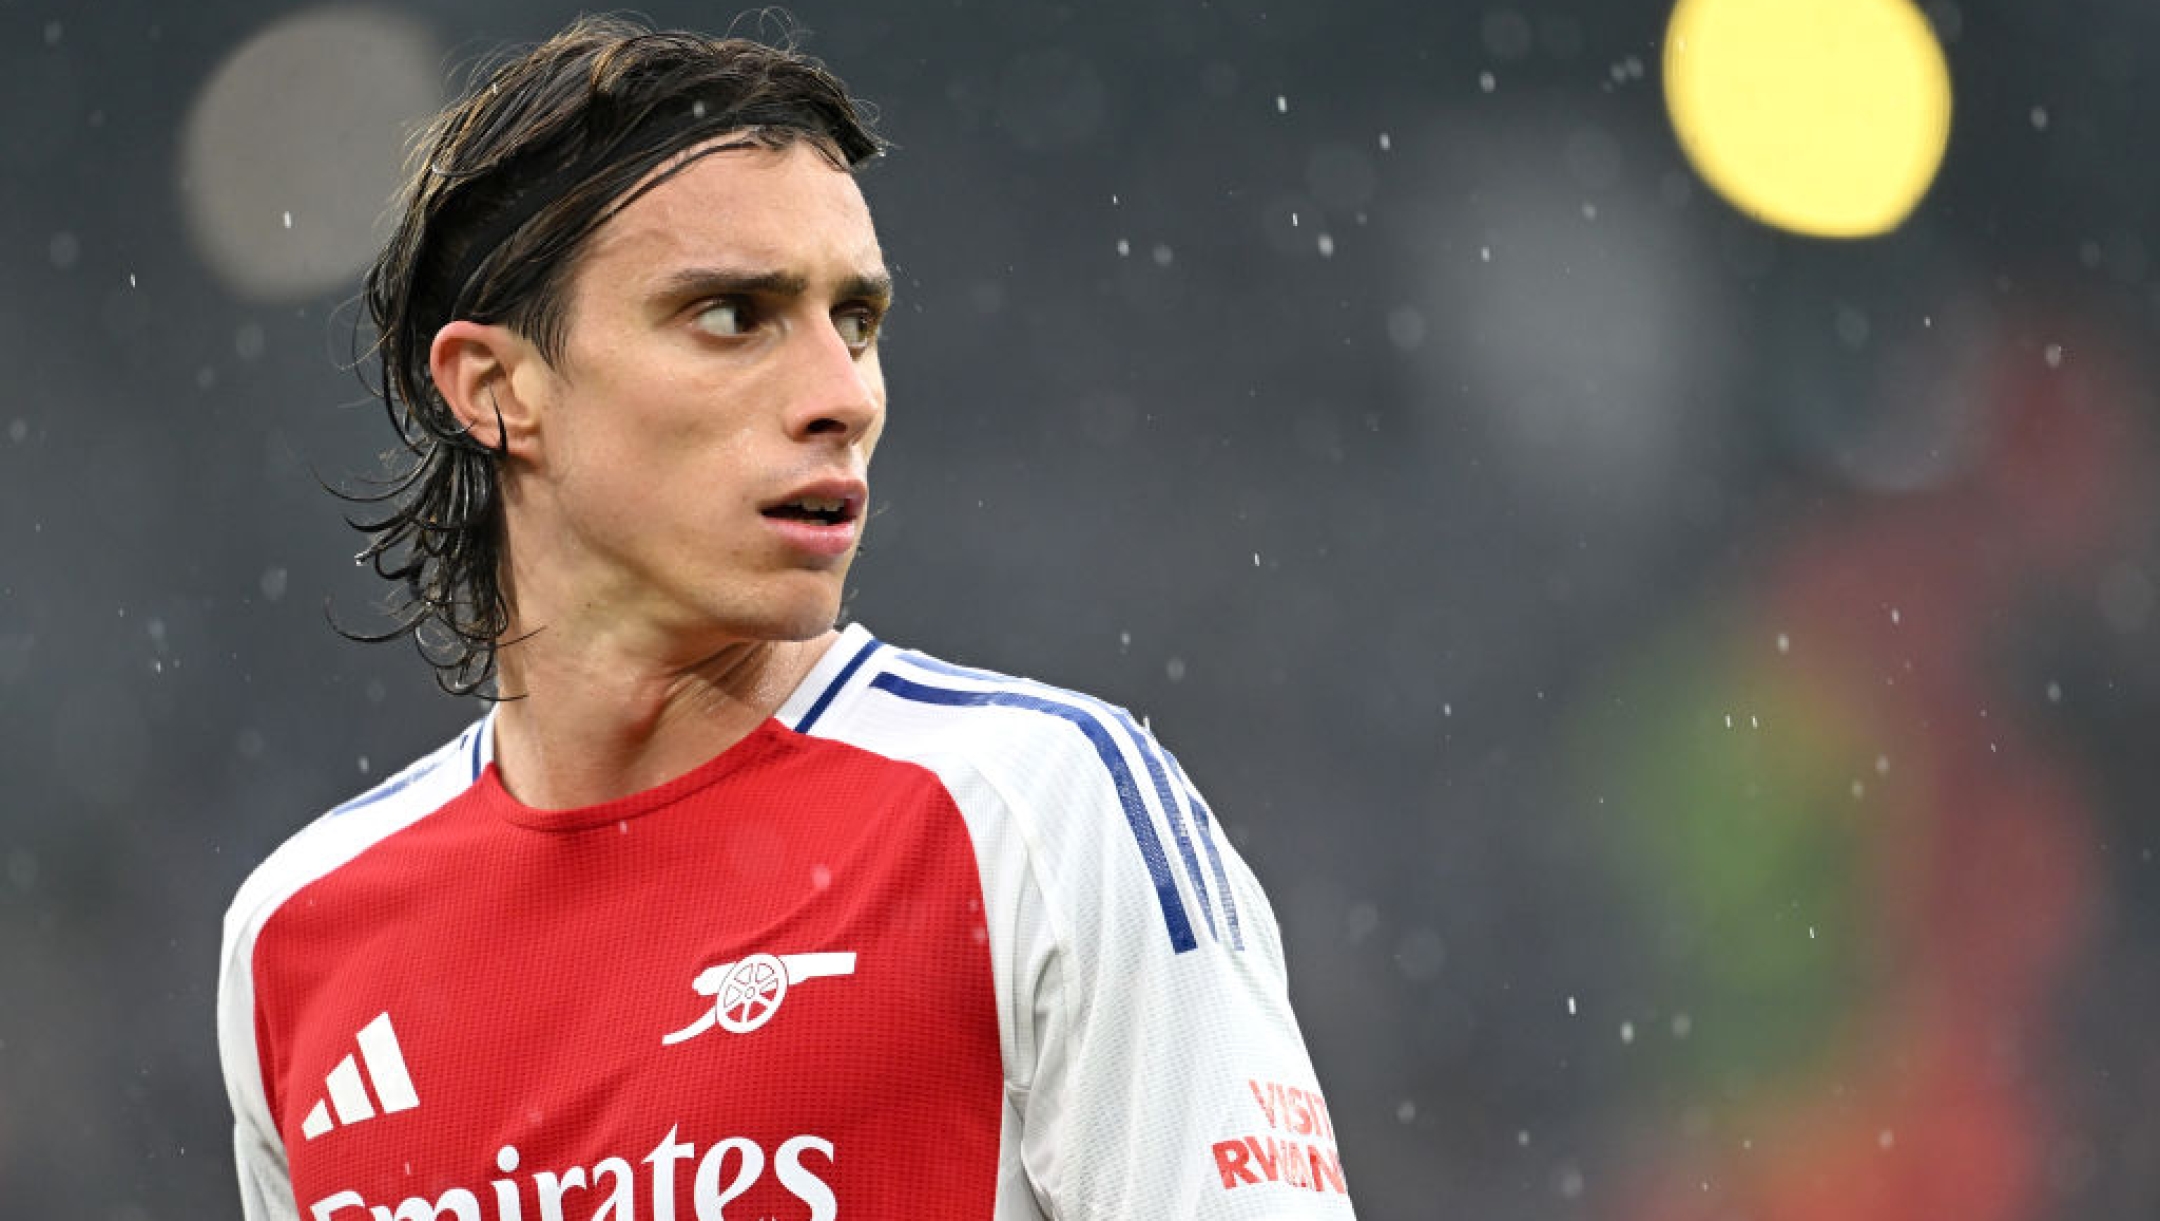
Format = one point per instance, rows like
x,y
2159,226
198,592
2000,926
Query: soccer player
x,y
721,912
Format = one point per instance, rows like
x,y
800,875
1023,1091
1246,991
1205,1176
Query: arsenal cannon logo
x,y
746,994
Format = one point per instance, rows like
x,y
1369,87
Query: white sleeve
x,y
1168,1078
265,1187
265,1192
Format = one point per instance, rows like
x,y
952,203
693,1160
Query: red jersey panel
x,y
762,990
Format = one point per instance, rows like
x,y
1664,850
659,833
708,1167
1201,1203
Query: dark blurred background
x,y
1683,684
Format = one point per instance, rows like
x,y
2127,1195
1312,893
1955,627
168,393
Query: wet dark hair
x,y
506,187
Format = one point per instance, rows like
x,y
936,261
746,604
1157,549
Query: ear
x,y
474,366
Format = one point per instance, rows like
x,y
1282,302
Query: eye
x,y
858,327
726,318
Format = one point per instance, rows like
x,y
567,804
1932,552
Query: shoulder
x,y
1106,813
883,696
336,837
315,851
1045,745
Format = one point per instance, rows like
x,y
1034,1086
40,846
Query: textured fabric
x,y
931,942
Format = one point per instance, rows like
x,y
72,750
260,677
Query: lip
x,y
818,538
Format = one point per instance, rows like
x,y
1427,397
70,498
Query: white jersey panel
x,y
1153,1067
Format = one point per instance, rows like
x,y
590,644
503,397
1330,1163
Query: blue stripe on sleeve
x,y
387,789
1204,818
420,770
1106,748
1149,754
1152,755
832,689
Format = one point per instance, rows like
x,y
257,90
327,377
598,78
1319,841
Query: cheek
x,y
657,415
639,453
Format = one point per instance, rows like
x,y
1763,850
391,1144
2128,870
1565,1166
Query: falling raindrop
x,y
1570,1182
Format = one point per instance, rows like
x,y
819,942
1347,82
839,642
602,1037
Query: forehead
x,y
785,209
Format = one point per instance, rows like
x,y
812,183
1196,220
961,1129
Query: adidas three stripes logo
x,y
348,1083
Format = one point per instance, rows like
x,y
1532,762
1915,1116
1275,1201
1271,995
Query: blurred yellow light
x,y
1825,117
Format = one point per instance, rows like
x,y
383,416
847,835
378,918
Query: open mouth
x,y
817,510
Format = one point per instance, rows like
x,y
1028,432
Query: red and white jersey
x,y
930,942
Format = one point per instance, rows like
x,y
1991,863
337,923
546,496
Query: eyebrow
x,y
715,281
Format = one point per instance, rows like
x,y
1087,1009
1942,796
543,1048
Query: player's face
x,y
707,430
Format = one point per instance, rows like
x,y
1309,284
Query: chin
x,y
798,618
775,607
806,629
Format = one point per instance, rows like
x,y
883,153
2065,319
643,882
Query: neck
x,y
586,725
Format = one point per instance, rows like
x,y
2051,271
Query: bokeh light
x,y
1828,118
293,147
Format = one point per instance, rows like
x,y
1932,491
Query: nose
x,y
841,394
